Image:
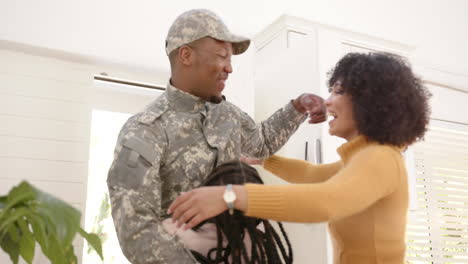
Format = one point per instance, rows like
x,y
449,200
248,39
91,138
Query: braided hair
x,y
266,244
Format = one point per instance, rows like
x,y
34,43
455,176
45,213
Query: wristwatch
x,y
229,197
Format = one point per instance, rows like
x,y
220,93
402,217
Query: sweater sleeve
x,y
369,176
300,171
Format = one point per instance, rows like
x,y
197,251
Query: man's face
x,y
212,65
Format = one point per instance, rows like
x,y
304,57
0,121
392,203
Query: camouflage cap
x,y
199,23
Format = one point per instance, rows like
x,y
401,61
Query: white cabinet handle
x,y
318,151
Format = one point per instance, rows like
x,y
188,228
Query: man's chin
x,y
216,99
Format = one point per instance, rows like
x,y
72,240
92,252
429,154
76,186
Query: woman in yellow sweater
x,y
380,108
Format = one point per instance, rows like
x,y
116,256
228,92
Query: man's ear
x,y
186,55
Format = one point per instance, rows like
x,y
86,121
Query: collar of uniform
x,y
182,101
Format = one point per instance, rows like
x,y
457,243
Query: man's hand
x,y
314,105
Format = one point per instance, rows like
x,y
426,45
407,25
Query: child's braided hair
x,y
266,245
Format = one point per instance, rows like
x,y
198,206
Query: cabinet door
x,y
285,68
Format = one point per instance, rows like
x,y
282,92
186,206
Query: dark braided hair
x,y
266,245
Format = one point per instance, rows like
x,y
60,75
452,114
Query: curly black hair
x,y
390,103
266,244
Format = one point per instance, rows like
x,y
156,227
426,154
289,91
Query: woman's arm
x,y
368,178
300,171
371,175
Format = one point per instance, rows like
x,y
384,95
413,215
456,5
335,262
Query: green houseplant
x,y
28,215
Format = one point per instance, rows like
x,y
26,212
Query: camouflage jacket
x,y
170,148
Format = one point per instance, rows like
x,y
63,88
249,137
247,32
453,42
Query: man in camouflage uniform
x,y
178,139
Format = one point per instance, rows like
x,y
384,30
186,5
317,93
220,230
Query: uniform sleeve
x,y
300,171
135,190
368,178
264,139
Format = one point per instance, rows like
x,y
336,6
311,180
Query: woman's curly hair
x,y
390,103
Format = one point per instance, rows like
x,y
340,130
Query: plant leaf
x,y
10,247
21,193
28,215
64,218
14,216
3,201
70,255
45,234
39,231
27,243
93,240
57,251
13,231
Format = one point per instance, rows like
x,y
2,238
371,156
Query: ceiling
x,y
132,32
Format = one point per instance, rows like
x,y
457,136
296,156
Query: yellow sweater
x,y
364,197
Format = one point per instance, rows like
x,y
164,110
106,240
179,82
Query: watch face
x,y
229,197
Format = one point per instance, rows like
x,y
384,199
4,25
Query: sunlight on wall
x,y
105,127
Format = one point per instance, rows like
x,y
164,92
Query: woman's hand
x,y
194,207
191,208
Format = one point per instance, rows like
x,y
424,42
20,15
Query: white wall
x,y
449,104
240,85
44,136
133,32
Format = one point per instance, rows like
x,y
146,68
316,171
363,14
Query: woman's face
x,y
340,108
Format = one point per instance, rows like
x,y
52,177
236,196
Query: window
x,y
113,104
437,230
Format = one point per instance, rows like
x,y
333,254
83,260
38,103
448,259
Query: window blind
x,y
437,230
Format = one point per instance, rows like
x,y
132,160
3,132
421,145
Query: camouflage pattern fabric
x,y
170,148
199,23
